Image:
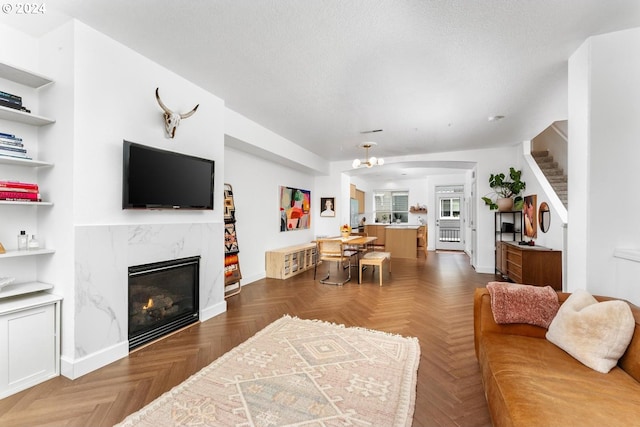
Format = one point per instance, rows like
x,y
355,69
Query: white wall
x,y
330,186
604,108
256,184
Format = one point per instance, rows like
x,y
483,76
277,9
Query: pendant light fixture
x,y
368,161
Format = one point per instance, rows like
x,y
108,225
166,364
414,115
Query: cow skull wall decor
x,y
171,119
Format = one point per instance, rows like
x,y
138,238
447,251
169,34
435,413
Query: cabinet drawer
x,y
514,271
514,256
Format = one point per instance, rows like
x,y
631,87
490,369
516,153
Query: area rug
x,y
297,372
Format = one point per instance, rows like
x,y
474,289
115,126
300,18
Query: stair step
x,y
548,165
540,153
544,160
557,178
552,172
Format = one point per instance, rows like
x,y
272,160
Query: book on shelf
x,y
13,142
10,97
13,106
19,195
8,147
13,153
7,103
19,190
9,135
18,184
10,154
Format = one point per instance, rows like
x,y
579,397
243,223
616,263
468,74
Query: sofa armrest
x,y
483,321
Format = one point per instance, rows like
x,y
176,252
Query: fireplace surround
x,y
163,297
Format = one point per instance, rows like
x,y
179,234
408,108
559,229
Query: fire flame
x,y
149,304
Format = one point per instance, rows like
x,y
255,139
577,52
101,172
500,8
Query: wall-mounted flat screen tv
x,y
161,179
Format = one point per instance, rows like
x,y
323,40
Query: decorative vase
x,y
505,204
345,234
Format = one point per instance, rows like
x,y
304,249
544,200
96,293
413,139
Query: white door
x,y
449,232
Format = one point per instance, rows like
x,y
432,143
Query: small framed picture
x,y
327,206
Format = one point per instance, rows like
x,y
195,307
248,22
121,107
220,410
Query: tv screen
x,y
160,179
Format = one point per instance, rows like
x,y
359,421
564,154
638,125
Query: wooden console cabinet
x,y
287,262
530,265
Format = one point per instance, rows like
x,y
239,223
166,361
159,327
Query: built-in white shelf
x,y
18,202
22,76
30,252
7,113
628,254
23,162
23,288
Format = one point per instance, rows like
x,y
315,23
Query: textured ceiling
x,y
319,73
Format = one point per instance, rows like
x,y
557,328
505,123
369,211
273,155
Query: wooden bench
x,y
375,259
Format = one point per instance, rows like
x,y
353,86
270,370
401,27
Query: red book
x,y
18,195
20,190
17,184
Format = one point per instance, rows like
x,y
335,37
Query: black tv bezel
x,y
126,204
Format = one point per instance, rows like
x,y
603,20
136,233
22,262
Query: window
x,y
391,206
450,208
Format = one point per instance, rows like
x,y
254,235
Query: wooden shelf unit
x,y
287,262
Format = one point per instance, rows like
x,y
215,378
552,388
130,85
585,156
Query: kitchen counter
x,y
401,240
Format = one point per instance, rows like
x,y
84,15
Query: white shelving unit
x,y
31,80
7,113
29,313
15,289
31,252
18,202
15,161
22,76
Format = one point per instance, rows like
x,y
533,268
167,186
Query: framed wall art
x,y
295,209
328,206
530,216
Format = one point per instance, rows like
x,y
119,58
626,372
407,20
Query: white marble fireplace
x,y
103,254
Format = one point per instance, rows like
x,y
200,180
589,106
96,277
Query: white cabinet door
x,y
27,348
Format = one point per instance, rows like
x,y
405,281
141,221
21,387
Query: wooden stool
x,y
375,259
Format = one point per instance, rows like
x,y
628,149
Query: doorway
x,y
449,232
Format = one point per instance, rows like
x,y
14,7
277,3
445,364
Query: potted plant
x,y
507,191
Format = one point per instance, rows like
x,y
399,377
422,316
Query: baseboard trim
x,y
75,368
487,270
213,311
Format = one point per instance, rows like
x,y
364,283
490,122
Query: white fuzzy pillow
x,y
595,333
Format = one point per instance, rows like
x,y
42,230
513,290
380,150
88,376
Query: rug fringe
x,y
359,328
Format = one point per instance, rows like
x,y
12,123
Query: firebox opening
x,y
163,297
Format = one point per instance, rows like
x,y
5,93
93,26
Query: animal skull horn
x,y
171,119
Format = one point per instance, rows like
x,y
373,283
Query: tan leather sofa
x,y
528,381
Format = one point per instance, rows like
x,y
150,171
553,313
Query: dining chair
x,y
334,251
422,238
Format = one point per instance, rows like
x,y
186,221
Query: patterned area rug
x,y
297,373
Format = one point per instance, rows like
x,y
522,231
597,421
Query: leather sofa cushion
x,y
529,381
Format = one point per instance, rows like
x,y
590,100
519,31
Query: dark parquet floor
x,y
430,298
